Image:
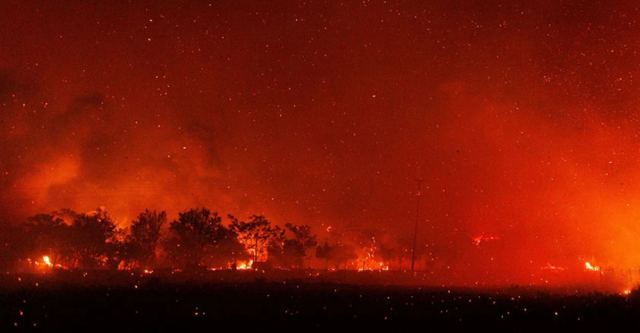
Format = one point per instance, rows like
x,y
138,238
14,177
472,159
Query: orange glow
x,y
525,134
373,266
244,265
588,266
477,240
368,258
47,261
53,173
553,268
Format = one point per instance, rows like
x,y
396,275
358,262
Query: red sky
x,y
522,120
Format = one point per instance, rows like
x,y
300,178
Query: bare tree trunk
x,y
255,252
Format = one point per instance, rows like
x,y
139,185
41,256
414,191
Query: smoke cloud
x,y
521,121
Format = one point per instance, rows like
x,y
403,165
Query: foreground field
x,y
89,302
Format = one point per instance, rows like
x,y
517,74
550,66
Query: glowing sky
x,y
522,120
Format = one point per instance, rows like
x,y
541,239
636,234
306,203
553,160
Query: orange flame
x,y
47,261
244,265
588,266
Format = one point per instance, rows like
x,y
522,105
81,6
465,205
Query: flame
x,y
244,265
377,266
368,259
588,266
47,261
626,292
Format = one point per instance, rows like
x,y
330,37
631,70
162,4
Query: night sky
x,y
522,121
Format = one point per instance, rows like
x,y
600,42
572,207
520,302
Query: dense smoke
x,y
521,121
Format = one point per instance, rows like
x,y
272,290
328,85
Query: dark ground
x,y
148,303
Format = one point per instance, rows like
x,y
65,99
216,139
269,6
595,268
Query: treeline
x,y
198,238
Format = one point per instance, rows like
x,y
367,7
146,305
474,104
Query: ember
x,y
477,240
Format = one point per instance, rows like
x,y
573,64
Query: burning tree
x,y
141,242
198,237
257,234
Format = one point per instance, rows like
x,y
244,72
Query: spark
x,y
477,240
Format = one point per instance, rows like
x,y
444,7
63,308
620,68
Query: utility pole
x,y
415,226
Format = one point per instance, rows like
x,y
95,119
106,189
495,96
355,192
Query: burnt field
x,y
92,301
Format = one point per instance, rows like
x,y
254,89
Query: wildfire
x,y
47,261
368,259
379,266
383,266
244,265
588,266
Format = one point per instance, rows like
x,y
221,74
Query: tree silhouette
x,y
257,234
49,235
198,237
294,249
224,249
143,237
93,239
